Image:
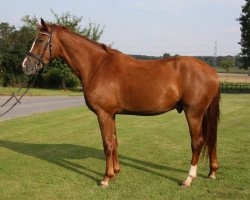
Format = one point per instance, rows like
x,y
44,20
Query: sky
x,y
147,27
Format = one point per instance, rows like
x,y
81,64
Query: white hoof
x,y
104,184
186,183
212,176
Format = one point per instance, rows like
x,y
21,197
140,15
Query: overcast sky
x,y
149,27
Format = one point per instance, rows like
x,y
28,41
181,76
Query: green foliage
x,y
166,55
13,47
208,59
145,57
68,20
227,63
245,34
30,22
59,75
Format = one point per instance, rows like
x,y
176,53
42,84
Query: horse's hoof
x,y
104,184
212,177
186,184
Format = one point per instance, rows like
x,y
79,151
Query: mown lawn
x,y
42,92
58,155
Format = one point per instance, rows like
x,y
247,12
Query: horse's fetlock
x,y
110,173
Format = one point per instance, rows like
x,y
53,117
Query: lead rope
x,y
15,96
40,59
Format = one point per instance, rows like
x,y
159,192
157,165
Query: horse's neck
x,y
80,55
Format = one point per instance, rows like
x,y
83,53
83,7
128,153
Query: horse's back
x,y
181,73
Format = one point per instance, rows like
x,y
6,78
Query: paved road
x,y
32,105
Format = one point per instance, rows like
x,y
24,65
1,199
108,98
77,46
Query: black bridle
x,y
37,69
40,57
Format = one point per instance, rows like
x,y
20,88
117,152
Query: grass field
x,y
42,92
58,155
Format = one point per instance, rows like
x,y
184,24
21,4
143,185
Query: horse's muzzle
x,y
30,67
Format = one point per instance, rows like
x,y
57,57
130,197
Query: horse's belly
x,y
150,103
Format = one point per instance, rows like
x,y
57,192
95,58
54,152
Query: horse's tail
x,y
210,124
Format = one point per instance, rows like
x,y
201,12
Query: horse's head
x,y
42,51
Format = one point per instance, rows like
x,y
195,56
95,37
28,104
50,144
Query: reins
x,y
35,67
17,99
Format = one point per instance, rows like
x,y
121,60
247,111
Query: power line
x,y
215,53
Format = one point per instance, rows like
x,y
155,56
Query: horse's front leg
x,y
107,126
115,152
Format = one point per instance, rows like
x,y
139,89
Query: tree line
x,y
235,61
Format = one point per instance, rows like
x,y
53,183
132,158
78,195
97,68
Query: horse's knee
x,y
197,144
108,147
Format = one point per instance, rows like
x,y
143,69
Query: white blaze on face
x,y
31,49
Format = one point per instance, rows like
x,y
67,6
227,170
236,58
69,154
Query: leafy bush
x,y
52,78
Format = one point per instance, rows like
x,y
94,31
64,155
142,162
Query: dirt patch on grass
x,y
237,78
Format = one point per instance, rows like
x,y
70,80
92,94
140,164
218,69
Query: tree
x,y
166,55
227,63
30,22
245,35
14,45
5,31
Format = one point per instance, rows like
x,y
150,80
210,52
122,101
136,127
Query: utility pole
x,y
215,54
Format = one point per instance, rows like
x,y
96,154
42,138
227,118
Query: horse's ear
x,y
44,25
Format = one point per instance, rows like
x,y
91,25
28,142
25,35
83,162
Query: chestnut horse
x,y
115,83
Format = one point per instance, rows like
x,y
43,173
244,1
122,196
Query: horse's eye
x,y
39,41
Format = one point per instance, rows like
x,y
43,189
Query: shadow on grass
x,y
59,153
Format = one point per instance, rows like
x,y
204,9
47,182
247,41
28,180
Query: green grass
x,y
42,92
58,155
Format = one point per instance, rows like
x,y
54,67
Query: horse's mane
x,y
97,44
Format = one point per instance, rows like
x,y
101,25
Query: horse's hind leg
x,y
213,162
194,119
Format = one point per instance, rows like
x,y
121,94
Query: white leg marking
x,y
212,176
193,171
191,175
104,184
